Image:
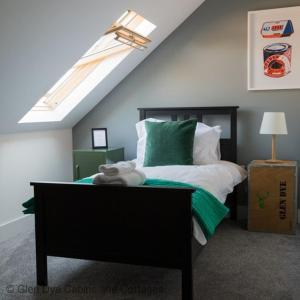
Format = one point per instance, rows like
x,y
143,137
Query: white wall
x,y
25,157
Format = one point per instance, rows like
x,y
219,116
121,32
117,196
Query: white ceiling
x,y
41,39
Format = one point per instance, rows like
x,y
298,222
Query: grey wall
x,y
203,63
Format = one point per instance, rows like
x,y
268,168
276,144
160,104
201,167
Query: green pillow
x,y
169,143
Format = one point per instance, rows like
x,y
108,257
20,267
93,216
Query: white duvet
x,y
218,178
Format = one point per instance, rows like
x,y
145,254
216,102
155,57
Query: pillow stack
x,y
177,143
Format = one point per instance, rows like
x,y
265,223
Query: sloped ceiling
x,y
41,39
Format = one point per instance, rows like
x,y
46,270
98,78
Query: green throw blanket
x,y
207,209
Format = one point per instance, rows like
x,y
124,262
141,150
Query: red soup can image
x,y
277,60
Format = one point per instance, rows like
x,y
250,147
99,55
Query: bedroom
x,y
197,58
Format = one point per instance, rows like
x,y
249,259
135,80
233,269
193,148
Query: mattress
x,y
218,178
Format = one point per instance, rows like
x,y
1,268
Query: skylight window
x,y
129,32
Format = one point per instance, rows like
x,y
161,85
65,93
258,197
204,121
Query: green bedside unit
x,y
86,162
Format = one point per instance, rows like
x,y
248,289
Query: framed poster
x,y
274,49
99,138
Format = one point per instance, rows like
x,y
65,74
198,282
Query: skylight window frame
x,y
106,53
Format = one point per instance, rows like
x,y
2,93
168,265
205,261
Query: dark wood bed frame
x,y
135,225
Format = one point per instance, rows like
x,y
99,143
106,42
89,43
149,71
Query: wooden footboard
x,y
136,225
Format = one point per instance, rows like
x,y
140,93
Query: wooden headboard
x,y
228,145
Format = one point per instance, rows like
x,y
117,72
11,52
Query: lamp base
x,y
274,161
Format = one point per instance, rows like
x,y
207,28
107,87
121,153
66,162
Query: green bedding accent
x,y
207,209
88,180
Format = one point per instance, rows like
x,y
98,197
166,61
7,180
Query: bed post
x,y
233,205
187,279
41,256
233,133
187,268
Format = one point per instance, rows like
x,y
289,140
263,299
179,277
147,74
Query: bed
x,y
126,224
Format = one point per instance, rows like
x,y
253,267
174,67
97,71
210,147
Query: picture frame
x,y
99,138
274,49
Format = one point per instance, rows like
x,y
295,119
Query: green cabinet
x,y
86,162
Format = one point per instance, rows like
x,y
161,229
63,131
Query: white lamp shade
x,y
273,123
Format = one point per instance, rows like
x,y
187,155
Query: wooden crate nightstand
x,y
272,203
86,162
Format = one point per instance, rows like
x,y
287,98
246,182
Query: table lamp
x,y
273,123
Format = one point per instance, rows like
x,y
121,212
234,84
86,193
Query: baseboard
x,y
14,227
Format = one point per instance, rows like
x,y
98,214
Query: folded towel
x,y
119,168
133,178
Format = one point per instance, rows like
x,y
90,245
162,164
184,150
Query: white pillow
x,y
206,143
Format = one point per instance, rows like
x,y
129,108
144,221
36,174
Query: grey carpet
x,y
236,264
